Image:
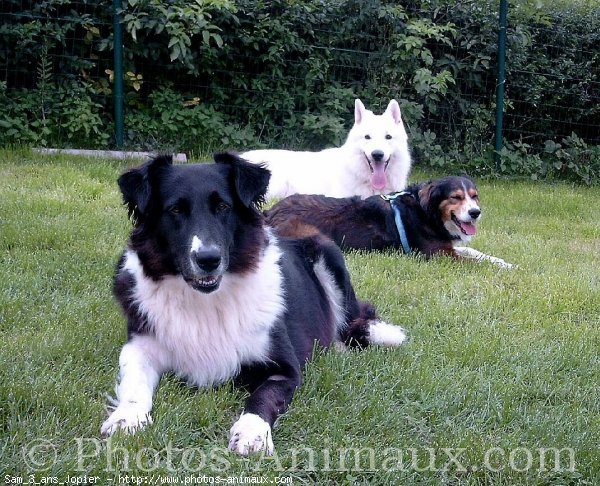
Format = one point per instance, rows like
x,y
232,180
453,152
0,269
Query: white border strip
x,y
113,154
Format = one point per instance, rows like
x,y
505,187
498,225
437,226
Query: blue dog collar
x,y
398,219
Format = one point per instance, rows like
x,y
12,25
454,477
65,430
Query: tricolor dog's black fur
x,y
437,216
212,294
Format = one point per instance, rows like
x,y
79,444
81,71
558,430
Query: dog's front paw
x,y
251,434
129,419
502,263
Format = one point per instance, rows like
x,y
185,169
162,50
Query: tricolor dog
x,y
212,294
436,217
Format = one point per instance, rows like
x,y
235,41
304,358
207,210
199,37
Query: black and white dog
x,y
211,293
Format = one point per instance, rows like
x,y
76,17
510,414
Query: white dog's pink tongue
x,y
378,177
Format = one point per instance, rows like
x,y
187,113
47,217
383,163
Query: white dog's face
x,y
378,139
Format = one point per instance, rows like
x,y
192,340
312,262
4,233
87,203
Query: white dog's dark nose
x,y
474,213
377,155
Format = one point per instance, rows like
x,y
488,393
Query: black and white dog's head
x,y
199,221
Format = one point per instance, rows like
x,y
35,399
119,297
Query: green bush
x,y
171,122
282,73
65,115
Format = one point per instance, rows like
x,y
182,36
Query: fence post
x,y
118,73
501,80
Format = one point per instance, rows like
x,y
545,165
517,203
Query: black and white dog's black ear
x,y
250,181
135,185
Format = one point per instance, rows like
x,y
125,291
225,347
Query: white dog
x,y
375,159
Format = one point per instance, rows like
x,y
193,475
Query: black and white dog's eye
x,y
388,137
175,209
367,137
222,207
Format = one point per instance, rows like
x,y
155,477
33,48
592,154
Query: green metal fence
x,y
70,75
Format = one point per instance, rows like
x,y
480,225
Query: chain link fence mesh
x,y
56,59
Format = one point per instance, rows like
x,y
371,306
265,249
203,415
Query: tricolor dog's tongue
x,y
468,228
378,177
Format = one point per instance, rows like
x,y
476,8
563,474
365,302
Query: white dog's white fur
x,y
375,159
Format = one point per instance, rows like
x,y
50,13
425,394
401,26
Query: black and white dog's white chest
x,y
206,338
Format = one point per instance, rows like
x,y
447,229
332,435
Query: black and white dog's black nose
x,y
474,213
208,259
377,155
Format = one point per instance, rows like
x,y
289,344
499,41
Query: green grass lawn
x,y
502,369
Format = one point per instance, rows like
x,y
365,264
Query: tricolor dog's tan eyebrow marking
x,y
457,194
471,191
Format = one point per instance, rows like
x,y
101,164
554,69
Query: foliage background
x,y
210,74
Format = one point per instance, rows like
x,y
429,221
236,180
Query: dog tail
x,y
368,329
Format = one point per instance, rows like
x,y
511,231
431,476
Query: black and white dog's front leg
x,y
139,374
252,432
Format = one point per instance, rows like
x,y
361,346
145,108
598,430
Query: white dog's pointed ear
x,y
393,109
359,111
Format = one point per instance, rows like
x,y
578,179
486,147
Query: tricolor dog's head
x,y
198,221
378,140
454,203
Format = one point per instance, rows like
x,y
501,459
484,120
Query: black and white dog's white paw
x,y
129,419
251,434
